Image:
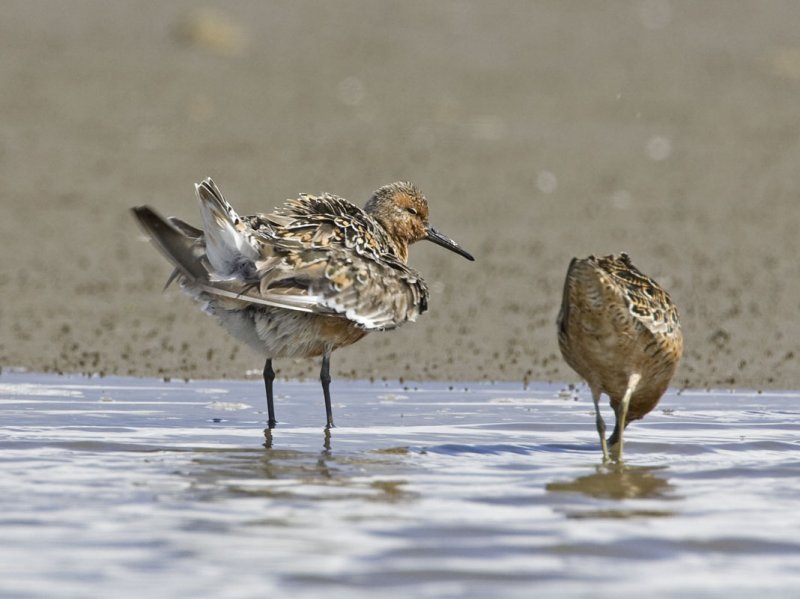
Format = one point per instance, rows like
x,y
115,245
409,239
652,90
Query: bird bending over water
x,y
310,277
620,331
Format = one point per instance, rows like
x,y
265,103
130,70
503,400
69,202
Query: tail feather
x,y
214,260
229,245
185,228
175,245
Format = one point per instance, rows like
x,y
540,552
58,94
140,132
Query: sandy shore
x,y
537,131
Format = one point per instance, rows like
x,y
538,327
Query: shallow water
x,y
131,488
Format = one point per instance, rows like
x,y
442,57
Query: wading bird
x,y
310,277
620,331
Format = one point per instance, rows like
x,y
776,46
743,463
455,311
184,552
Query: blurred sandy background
x,y
537,130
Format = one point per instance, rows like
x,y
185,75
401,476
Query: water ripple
x,y
127,488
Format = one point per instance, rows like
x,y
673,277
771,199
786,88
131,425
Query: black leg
x,y
269,376
325,377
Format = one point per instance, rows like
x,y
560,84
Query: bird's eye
x,y
411,210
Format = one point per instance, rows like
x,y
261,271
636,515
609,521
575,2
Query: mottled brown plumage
x,y
620,331
312,276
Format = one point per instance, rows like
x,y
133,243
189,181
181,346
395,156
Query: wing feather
x,y
316,254
646,300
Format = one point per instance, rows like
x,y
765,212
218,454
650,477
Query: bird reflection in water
x,y
618,482
326,440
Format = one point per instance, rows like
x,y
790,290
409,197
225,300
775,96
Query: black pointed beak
x,y
446,242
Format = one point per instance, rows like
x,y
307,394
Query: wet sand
x,y
538,132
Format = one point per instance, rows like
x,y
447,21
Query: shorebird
x,y
619,330
313,276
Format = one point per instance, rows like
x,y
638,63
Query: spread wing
x,y
375,294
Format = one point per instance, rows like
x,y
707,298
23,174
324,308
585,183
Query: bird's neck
x,y
395,236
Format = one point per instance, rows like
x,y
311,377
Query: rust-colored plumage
x,y
620,331
312,276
